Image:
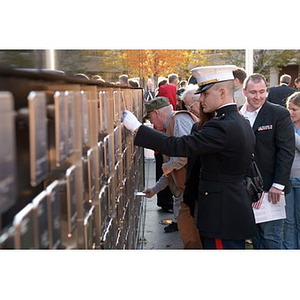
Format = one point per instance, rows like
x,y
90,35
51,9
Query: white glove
x,y
130,121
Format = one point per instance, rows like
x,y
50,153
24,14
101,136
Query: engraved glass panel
x,y
69,98
54,213
85,118
60,128
38,137
41,221
71,199
8,181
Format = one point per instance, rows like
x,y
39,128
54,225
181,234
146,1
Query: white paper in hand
x,y
265,211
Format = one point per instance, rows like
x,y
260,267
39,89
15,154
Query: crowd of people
x,y
124,80
207,129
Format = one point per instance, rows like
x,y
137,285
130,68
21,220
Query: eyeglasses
x,y
191,105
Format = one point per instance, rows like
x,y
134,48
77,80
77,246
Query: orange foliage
x,y
161,63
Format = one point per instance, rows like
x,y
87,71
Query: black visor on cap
x,y
203,88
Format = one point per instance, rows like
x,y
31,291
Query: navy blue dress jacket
x,y
225,145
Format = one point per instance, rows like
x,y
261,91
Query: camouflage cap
x,y
156,103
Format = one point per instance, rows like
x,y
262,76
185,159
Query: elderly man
x,y
225,144
278,94
164,118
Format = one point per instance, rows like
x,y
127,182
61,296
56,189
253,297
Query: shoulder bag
x,y
254,182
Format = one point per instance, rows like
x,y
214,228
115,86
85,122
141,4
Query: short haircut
x,y
285,78
190,89
240,74
124,78
227,84
172,77
256,77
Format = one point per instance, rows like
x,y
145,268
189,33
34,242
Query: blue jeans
x,y
269,235
291,225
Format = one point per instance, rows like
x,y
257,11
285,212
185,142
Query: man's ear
x,y
222,92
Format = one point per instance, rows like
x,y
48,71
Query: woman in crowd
x,y
291,225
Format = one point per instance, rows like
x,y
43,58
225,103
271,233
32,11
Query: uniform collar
x,y
226,108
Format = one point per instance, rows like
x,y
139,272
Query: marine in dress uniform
x,y
225,145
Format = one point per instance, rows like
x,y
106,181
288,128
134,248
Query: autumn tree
x,y
160,63
145,63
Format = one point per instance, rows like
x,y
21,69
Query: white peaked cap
x,y
208,76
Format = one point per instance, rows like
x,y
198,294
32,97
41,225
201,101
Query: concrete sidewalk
x,y
154,235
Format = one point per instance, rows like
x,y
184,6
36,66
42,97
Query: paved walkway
x,y
154,235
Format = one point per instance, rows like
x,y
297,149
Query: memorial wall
x,y
69,171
